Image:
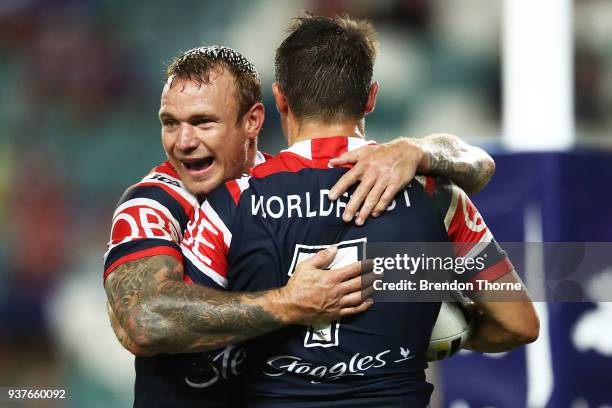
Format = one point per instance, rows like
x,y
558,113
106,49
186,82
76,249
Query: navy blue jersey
x,y
265,224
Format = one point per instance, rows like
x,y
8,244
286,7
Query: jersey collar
x,y
326,147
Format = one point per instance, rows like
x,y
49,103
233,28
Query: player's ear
x,y
371,102
279,99
254,119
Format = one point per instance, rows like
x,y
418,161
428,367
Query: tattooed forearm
x,y
469,167
160,313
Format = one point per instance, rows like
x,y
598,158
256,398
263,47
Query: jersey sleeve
x,y
467,230
209,235
148,221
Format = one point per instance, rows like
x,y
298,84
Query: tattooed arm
x,y
159,313
383,170
446,155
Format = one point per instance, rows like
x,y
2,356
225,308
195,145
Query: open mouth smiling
x,y
197,166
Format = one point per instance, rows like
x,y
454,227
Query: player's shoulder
x,y
149,218
157,207
162,186
166,169
440,191
166,177
445,196
462,219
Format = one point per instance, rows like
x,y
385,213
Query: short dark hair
x,y
197,64
324,67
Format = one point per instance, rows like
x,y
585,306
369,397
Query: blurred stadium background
x,y
78,111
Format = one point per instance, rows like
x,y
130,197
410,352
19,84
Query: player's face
x,y
201,136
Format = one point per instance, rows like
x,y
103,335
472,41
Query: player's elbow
x,y
146,333
484,169
524,329
528,330
487,165
140,350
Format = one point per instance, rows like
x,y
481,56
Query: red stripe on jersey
x,y
283,162
184,203
218,255
326,148
161,250
459,230
234,190
218,262
321,151
430,185
167,169
187,280
494,271
291,163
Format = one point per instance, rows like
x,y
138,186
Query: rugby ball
x,y
450,332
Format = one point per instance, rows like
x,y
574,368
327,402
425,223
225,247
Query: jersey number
x,y
327,334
